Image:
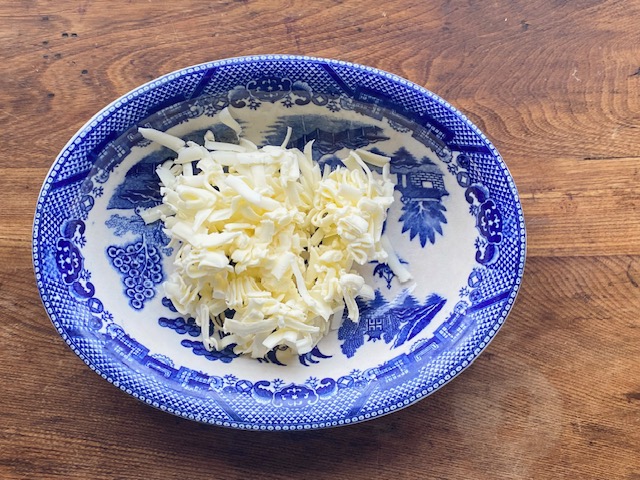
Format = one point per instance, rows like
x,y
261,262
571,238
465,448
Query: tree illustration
x,y
424,219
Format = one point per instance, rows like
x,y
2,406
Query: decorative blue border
x,y
78,316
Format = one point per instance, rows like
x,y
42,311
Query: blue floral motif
x,y
488,222
140,266
269,89
393,323
81,241
287,102
230,379
295,396
311,382
282,90
68,260
480,243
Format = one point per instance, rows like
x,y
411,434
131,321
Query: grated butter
x,y
265,234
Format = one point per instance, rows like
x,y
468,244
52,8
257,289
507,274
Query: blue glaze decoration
x,y
88,191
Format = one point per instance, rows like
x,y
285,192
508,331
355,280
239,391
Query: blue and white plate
x,y
456,223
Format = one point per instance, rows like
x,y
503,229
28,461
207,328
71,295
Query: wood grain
x,y
554,84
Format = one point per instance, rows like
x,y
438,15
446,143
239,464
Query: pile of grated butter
x,y
266,234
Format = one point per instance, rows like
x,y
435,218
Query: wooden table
x,y
555,85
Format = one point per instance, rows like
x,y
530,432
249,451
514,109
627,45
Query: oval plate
x,y
457,224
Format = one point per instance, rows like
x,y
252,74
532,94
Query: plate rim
x,y
60,158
